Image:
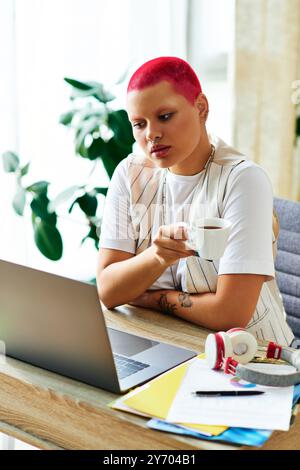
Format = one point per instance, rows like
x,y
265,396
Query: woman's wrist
x,y
155,300
158,260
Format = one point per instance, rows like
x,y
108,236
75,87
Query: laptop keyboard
x,y
126,366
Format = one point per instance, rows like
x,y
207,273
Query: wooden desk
x,y
50,411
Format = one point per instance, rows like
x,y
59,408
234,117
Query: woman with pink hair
x,y
144,259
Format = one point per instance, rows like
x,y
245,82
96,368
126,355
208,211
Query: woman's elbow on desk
x,y
107,301
103,293
109,293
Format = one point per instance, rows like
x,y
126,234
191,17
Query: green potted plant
x,y
100,133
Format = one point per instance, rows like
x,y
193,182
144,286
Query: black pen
x,y
226,393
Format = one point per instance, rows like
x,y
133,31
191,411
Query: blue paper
x,y
296,396
240,436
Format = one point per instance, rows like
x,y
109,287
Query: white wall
x,y
88,40
12,228
210,52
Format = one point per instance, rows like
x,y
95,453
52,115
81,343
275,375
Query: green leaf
x,y
108,161
121,127
103,95
96,148
40,187
11,162
88,204
66,118
24,169
91,88
19,200
112,154
83,151
39,206
63,197
77,84
93,235
85,128
47,239
101,190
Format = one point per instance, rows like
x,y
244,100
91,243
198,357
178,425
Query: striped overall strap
x,y
145,181
209,196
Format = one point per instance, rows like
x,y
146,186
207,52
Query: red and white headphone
x,y
233,349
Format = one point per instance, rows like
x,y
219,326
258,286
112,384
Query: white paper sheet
x,y
271,410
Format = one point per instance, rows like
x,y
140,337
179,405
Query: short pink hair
x,y
172,69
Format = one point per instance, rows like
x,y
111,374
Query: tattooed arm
x,y
155,300
196,308
231,306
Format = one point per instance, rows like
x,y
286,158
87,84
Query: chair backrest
x,y
287,263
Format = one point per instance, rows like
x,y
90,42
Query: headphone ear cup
x,y
217,346
227,344
244,345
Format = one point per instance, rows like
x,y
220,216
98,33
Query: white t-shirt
x,y
248,205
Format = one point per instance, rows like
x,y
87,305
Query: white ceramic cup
x,y
210,243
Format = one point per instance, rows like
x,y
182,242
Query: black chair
x,y
287,263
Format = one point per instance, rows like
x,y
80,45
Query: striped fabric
x,y
209,197
200,276
145,193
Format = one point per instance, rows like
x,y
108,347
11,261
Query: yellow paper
x,y
155,400
156,397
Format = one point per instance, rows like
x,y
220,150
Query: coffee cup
x,y
208,236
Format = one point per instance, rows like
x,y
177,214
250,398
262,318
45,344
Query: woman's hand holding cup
x,y
208,236
169,244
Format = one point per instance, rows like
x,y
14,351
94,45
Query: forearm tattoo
x,y
165,306
185,299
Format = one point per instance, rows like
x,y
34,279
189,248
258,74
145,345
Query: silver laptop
x,y
57,323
